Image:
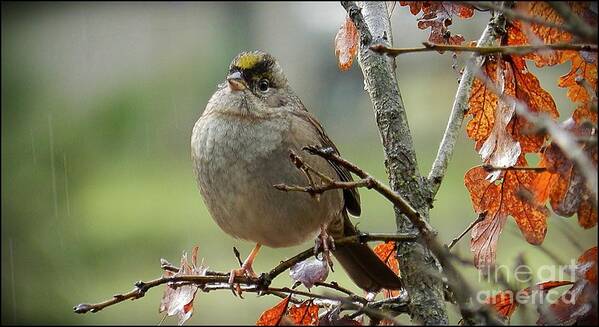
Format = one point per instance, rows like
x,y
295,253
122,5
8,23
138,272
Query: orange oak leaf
x,y
500,149
584,67
563,184
520,33
482,104
438,16
346,44
178,299
506,302
304,314
415,6
274,315
583,64
499,199
578,305
387,252
529,90
499,142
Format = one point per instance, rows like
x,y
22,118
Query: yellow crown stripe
x,y
248,60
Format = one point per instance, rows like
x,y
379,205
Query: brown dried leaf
x,y
346,44
529,90
498,200
578,305
514,78
563,184
438,16
387,252
520,33
500,149
415,6
274,315
482,104
505,302
178,300
305,314
584,66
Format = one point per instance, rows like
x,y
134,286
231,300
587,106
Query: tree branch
x,y
472,312
513,14
221,279
485,50
427,304
460,107
478,219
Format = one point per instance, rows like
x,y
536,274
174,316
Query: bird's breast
x,y
237,162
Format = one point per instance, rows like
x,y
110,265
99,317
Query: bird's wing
x,y
350,196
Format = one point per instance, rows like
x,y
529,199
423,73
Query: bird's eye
x,y
263,85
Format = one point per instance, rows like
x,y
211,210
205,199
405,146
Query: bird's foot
x,y
244,271
327,243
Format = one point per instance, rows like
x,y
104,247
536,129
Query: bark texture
x,y
418,266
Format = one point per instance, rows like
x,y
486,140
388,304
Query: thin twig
x,y
513,14
238,256
335,286
223,278
318,189
460,107
485,50
402,204
380,82
571,19
141,288
167,266
470,311
491,168
478,219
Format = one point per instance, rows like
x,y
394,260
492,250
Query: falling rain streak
x,y
52,167
33,154
12,276
54,191
66,185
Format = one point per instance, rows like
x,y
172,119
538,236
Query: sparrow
x,y
240,148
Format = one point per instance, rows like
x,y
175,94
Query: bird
x,y
240,148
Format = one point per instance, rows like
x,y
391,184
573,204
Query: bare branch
x,y
513,14
404,206
470,311
478,219
221,279
460,107
485,50
491,168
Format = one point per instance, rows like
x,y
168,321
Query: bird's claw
x,y
244,271
327,243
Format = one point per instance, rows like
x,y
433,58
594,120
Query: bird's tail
x,y
363,266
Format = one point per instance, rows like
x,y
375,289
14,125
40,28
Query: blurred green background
x,y
98,102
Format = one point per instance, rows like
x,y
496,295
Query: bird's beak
x,y
236,82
